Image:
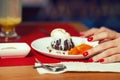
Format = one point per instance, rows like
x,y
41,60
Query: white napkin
x,y
83,67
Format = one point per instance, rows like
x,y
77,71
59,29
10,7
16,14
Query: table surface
x,y
28,73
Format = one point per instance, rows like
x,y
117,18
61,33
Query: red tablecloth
x,y
31,32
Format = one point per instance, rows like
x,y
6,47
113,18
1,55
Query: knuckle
x,y
103,28
102,47
106,34
94,29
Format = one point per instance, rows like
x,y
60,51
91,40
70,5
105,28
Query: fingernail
x,y
101,60
90,60
85,54
90,38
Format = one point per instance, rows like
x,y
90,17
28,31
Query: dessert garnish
x,y
80,49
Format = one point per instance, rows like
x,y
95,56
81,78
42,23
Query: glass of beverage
x,y
10,17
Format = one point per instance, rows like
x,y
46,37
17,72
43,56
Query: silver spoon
x,y
51,67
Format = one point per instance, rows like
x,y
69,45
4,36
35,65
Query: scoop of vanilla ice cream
x,y
60,33
61,40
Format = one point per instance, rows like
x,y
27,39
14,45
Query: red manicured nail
x,y
90,38
101,60
90,60
85,54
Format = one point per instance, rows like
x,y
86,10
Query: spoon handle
x,y
42,65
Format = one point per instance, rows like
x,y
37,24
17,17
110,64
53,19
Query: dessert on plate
x,y
61,40
62,43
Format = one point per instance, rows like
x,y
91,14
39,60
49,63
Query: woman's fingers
x,y
108,49
106,53
94,31
89,32
111,59
102,36
102,29
99,48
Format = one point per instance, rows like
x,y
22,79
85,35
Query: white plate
x,y
41,45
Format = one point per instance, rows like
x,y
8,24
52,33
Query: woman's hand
x,y
100,34
107,51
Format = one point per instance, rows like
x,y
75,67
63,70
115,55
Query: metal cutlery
x,y
50,67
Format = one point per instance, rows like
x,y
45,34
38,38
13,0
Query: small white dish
x,y
14,50
41,45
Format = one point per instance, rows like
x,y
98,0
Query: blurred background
x,y
92,13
